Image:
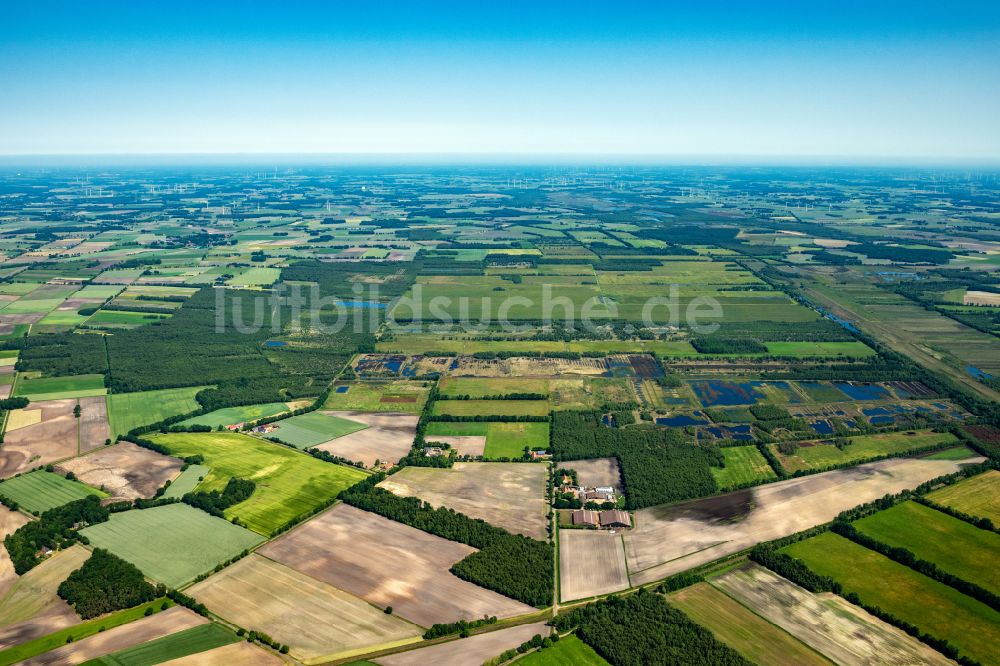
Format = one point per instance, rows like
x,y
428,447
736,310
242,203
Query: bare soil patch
x,y
389,564
471,651
125,470
146,629
315,619
596,472
673,538
51,440
94,427
508,495
389,436
591,562
827,623
981,298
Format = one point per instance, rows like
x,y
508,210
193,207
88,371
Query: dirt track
x,y
389,436
389,564
670,539
125,470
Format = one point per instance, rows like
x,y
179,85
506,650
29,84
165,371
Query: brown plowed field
x,y
51,440
124,470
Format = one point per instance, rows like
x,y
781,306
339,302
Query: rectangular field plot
x,y
810,455
54,388
316,620
673,538
312,429
935,608
392,396
852,349
387,436
172,544
174,646
744,464
475,387
132,410
744,631
953,545
52,436
491,407
508,495
125,470
233,415
388,564
591,562
826,622
40,491
507,440
977,496
289,483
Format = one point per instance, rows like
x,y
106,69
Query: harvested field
x,y
464,445
508,495
591,562
146,629
20,418
980,298
389,436
826,622
596,472
53,439
173,543
125,470
670,539
744,631
472,651
977,496
31,607
235,653
94,427
388,564
315,619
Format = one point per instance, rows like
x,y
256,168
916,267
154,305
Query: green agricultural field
x,y
744,464
813,455
186,481
233,415
256,277
40,306
457,429
392,396
954,545
77,386
313,429
590,392
742,629
852,349
172,544
173,646
569,651
289,483
935,608
491,407
507,440
977,496
40,491
954,453
123,318
478,387
132,410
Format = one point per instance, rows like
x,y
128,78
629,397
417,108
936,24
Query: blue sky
x,y
845,80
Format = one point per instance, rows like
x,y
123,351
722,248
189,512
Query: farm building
x,y
585,517
615,518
